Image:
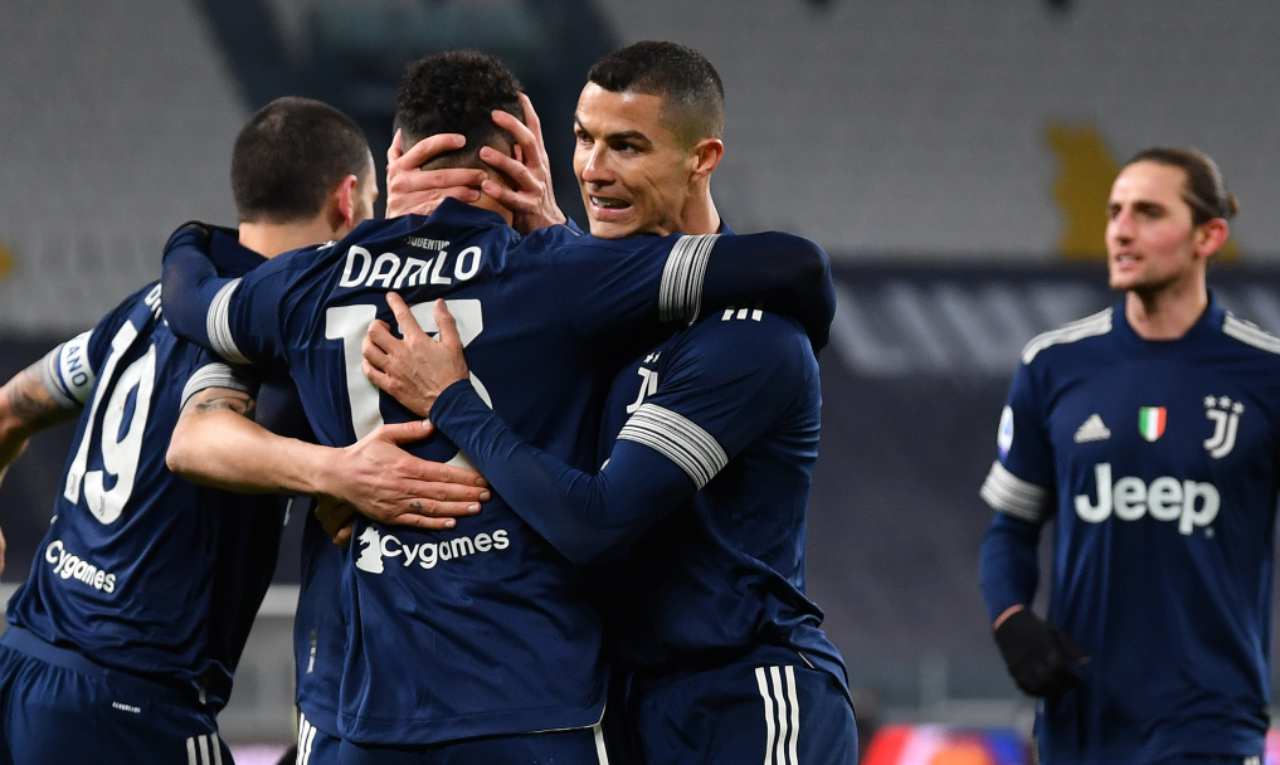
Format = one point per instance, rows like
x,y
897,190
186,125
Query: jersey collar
x,y
1208,325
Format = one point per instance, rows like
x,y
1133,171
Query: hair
x,y
290,155
683,77
457,92
1204,191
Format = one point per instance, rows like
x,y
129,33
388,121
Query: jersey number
x,y
350,323
120,448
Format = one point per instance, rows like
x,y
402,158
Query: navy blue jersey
x,y
1157,460
140,570
710,440
503,637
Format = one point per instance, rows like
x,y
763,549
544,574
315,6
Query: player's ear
x,y
344,202
707,154
1211,236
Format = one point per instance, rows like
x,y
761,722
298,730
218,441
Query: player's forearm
x,y
783,273
218,446
1009,565
26,406
580,514
190,284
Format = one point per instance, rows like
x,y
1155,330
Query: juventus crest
x,y
1225,416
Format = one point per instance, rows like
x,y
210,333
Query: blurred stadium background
x,y
953,157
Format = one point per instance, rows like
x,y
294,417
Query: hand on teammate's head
x,y
533,200
410,189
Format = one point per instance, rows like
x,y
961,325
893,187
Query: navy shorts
x,y
316,746
742,713
571,747
57,706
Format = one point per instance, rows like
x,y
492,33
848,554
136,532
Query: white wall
x,y
116,124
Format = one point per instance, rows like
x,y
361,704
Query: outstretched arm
x,y
217,443
660,460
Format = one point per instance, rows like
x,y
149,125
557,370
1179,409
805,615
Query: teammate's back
x,y
129,571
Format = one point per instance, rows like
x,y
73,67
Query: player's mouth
x,y
608,208
1125,260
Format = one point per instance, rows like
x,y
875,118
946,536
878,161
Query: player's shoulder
x,y
1248,337
1070,339
747,340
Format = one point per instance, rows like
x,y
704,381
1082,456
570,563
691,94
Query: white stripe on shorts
x,y
781,714
602,752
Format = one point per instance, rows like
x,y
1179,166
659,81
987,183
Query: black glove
x,y
1041,658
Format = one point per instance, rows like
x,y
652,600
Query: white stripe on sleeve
x,y
66,374
1007,493
218,325
679,439
680,291
217,749
214,375
191,751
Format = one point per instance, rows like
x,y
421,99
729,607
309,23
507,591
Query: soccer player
x,y
1148,434
708,443
502,639
123,641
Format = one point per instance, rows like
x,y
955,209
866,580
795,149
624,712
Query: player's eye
x,y
584,137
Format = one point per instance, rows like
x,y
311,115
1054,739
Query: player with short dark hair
x,y
129,628
707,440
1148,433
512,641
289,155
690,87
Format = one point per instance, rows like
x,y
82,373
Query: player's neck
x,y
700,215
1168,313
487,202
272,239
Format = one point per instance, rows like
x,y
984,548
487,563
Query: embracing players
x,y
511,639
708,440
1148,433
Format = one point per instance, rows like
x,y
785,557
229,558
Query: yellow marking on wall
x,y
1086,169
6,260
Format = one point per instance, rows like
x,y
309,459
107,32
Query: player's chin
x,y
610,229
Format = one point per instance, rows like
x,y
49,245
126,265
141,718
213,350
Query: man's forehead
x,y
607,111
1148,181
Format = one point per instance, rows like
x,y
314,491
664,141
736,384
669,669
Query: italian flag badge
x,y
1151,422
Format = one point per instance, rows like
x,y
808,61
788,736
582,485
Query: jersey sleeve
x,y
67,372
730,381
667,458
70,369
209,372
238,319
1020,482
611,286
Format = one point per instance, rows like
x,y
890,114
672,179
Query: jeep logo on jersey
x,y
1225,416
376,547
1192,504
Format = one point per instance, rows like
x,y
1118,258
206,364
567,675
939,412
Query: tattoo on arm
x,y
29,403
222,399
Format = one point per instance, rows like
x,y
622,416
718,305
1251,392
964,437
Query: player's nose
x,y
596,170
